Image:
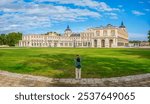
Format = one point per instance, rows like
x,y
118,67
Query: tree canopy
x,y
10,39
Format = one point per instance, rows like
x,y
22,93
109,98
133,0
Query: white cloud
x,y
60,11
25,16
120,6
112,15
3,2
137,36
22,16
84,3
20,22
138,13
147,10
141,2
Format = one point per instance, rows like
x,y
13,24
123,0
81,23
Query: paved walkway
x,y
8,79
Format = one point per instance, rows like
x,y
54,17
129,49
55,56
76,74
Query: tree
x,y
149,37
3,40
13,38
10,39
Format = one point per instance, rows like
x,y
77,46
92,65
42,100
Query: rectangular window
x,y
105,33
70,44
66,44
113,33
97,33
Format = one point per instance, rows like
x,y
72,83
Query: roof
x,y
68,28
122,25
75,34
103,27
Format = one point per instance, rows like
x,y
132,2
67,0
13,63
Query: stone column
x,y
107,43
52,44
20,44
116,42
101,32
108,32
81,42
76,43
68,44
92,43
25,43
58,44
33,44
98,43
36,44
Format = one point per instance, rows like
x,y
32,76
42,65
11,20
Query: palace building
x,y
104,36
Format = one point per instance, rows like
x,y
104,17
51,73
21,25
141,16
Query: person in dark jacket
x,y
78,67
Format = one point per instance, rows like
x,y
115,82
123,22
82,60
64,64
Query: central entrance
x,y
110,43
95,43
103,43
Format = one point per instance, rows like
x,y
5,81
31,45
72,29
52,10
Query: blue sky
x,y
41,16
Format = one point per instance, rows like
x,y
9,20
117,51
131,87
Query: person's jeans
x,y
78,73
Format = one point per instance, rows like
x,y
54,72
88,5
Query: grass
x,y
59,62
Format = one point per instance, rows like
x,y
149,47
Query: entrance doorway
x,y
110,43
95,43
103,43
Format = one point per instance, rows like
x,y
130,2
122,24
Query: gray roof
x,y
122,25
102,27
68,28
75,34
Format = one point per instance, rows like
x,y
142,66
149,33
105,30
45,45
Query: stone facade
x,y
98,37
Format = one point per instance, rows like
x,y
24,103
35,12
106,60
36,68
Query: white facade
x,y
108,36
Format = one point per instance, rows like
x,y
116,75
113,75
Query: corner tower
x,y
68,31
122,25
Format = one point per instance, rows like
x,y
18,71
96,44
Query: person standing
x,y
78,67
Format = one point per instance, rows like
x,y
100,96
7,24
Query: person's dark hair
x,y
78,58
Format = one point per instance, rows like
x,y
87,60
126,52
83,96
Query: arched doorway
x,y
89,44
95,43
55,44
110,43
103,43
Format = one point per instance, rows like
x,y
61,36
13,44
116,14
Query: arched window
x,y
103,43
112,32
97,33
105,33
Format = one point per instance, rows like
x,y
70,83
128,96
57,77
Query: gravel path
x,y
8,79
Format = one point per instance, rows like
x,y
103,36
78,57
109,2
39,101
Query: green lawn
x,y
59,62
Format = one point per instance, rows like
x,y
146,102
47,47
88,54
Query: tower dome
x,y
122,25
68,31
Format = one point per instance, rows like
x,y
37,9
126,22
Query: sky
x,y
42,16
